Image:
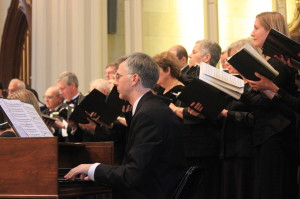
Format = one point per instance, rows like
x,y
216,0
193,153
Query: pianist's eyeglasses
x,y
117,76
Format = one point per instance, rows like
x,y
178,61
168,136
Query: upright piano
x,y
29,167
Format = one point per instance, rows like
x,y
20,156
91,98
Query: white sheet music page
x,y
221,75
224,81
25,116
39,123
16,125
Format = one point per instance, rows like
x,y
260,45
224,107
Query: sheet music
x,y
221,75
225,82
37,120
24,118
234,92
12,119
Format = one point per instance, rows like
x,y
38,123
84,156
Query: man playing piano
x,y
154,160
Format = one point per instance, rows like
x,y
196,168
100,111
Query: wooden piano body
x,y
29,166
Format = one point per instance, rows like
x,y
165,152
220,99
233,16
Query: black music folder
x,y
278,44
113,107
78,115
212,99
94,101
108,108
248,61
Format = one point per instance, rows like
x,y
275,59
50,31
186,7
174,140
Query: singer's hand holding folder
x,y
212,99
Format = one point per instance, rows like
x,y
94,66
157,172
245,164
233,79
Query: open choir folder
x,y
223,81
24,119
108,108
212,99
248,61
277,43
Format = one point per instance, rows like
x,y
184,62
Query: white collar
x,y
75,96
135,104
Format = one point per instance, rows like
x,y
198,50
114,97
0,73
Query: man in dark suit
x,y
154,159
68,84
53,100
182,55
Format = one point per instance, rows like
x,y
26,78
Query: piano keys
x,y
29,167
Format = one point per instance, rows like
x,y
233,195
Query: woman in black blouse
x,y
169,72
201,135
274,135
236,142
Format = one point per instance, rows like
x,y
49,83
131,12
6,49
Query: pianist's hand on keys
x,y
81,170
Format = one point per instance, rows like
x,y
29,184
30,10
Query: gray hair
x,y
20,83
68,78
238,45
209,47
144,66
100,84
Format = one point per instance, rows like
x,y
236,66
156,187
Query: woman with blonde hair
x,y
26,96
274,134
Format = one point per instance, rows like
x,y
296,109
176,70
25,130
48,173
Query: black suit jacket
x,y
79,135
185,70
154,160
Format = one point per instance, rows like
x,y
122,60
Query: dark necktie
x,y
73,101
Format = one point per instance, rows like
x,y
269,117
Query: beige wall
x,y
164,23
290,7
170,22
72,34
236,18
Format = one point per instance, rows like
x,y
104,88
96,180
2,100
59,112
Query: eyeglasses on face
x,y
117,76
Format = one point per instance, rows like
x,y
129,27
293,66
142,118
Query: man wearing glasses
x,y
154,158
